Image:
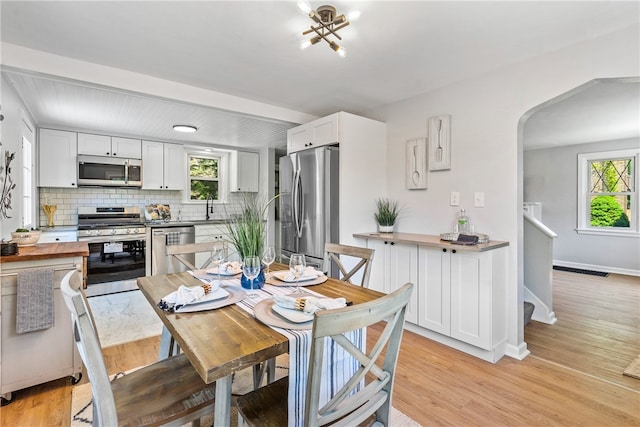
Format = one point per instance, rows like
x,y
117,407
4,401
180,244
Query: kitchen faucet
x,y
209,208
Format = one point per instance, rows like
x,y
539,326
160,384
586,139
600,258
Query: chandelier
x,y
326,25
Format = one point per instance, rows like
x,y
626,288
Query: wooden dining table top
x,y
221,341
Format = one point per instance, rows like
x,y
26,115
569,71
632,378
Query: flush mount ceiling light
x,y
328,23
185,128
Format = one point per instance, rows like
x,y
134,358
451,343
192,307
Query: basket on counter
x,y
25,238
9,248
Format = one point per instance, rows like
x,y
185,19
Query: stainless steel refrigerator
x,y
309,203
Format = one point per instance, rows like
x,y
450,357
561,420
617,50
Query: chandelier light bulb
x,y
353,15
305,44
304,6
341,52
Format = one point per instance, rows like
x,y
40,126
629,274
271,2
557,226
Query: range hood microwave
x,y
109,172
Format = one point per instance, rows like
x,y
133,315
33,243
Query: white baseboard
x,y
595,267
518,352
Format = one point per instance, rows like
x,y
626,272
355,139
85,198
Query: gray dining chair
x,y
336,253
353,403
179,252
168,392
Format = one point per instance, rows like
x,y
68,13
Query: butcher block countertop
x,y
429,240
48,251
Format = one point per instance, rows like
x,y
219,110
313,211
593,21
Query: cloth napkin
x,y
307,274
184,295
312,304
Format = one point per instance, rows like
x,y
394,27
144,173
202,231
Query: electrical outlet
x,y
455,199
478,199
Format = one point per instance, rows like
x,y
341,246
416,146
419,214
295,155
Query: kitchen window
x,y
607,193
205,176
28,188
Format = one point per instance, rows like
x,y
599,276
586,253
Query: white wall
x,y
551,177
13,110
486,147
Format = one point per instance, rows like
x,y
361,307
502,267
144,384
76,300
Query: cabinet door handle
x,y
393,243
108,153
444,249
453,251
114,154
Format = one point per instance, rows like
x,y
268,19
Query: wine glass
x,y
218,256
251,268
297,264
268,257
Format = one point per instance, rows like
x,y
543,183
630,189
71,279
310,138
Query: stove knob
x,y
128,231
113,231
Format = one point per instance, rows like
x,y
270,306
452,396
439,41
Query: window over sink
x,y
205,177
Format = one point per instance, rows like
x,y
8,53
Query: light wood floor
x,y
573,377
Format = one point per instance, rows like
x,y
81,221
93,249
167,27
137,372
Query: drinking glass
x,y
268,257
218,256
251,268
297,264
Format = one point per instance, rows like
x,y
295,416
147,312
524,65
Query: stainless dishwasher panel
x,y
160,263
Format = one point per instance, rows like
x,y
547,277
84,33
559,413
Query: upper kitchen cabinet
x,y
57,158
245,168
163,166
319,132
102,145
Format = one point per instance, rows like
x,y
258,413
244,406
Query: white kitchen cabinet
x,y
210,233
460,298
163,166
462,294
40,356
58,236
316,133
245,169
102,145
395,264
57,160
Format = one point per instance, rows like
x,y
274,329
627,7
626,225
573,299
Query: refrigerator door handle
x,y
298,203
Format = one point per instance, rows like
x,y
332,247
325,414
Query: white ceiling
x,y
250,49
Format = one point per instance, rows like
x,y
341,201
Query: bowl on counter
x,y
25,238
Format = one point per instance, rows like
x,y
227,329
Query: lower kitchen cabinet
x,y
395,264
460,298
36,357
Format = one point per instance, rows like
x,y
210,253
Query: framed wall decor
x,y
417,164
440,142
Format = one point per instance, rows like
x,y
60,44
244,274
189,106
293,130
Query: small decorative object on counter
x,y
50,210
24,237
386,215
463,223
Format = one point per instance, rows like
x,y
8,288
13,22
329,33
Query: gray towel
x,y
173,238
35,306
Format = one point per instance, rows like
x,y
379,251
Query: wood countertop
x,y
47,251
430,240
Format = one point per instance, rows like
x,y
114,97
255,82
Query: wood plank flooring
x,y
573,377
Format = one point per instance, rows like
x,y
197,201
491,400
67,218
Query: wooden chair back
x,y
333,253
167,392
179,252
104,406
354,403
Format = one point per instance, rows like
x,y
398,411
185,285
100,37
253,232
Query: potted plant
x,y
248,232
386,215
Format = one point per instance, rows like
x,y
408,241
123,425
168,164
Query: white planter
x,y
385,228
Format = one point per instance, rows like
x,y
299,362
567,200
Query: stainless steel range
x,y
116,238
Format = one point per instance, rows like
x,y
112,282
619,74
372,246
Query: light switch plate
x,y
455,199
478,199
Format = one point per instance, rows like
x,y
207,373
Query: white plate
x,y
295,316
282,275
214,271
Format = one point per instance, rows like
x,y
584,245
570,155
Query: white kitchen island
x,y
460,297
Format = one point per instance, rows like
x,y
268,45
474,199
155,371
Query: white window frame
x,y
28,176
223,178
584,201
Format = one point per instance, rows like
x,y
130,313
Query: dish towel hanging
x,y
35,305
173,238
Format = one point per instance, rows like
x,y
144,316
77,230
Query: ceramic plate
x,y
263,311
233,272
282,275
233,295
295,316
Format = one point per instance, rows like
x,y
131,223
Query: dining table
x,y
221,341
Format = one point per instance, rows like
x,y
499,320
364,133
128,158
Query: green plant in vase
x,y
386,214
248,232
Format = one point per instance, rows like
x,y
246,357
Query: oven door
x,y
112,261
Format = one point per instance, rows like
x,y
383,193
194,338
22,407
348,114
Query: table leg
x,y
168,347
222,415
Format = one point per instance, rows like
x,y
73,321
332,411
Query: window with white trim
x,y
206,178
607,193
28,189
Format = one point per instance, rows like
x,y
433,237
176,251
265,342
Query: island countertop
x,y
48,251
430,240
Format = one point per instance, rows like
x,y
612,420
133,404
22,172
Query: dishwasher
x,y
163,236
